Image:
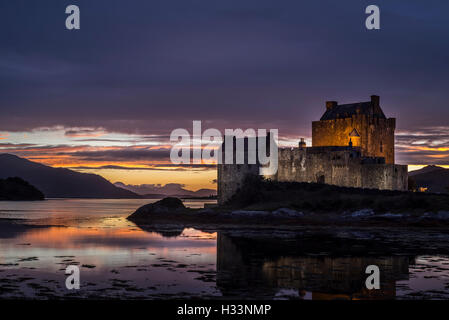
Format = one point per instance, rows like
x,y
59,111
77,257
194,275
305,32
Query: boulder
x,y
166,205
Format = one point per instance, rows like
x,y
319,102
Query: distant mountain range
x,y
170,189
59,182
435,178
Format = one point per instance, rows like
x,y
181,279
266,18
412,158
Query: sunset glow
x,y
142,159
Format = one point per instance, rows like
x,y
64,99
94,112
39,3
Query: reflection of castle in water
x,y
262,268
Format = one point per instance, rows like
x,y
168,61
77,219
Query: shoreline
x,y
285,218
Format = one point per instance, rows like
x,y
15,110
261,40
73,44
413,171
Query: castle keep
x,y
363,125
352,146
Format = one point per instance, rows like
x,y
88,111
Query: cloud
x,y
136,153
149,68
158,167
112,157
167,189
427,145
15,145
84,132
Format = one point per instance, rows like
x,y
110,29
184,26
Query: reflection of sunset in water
x,y
116,258
109,239
99,246
119,259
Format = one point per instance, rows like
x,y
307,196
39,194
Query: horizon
x,y
411,168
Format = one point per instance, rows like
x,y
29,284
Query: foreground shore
x,y
228,260
282,218
288,205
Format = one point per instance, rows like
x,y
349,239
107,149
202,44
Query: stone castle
x,y
352,146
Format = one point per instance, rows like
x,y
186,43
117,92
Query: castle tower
x,y
363,124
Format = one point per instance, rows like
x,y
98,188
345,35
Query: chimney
x,y
375,100
331,104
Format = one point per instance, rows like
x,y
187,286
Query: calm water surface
x,y
38,240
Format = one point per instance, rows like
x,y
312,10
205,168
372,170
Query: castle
x,y
352,146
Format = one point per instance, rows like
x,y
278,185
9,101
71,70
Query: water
x,y
118,259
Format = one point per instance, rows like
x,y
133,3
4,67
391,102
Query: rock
x,y
390,215
166,205
362,213
287,212
440,215
249,213
169,203
443,215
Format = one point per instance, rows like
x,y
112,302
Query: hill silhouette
x,y
17,189
168,190
434,178
59,182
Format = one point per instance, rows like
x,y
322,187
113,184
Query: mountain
x,y
435,178
59,182
170,189
426,169
17,189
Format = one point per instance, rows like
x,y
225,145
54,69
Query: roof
x,y
342,111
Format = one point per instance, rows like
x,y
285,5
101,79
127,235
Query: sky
x,y
105,98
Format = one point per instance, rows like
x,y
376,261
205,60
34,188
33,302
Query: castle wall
x,y
385,176
339,166
230,179
380,142
376,135
318,166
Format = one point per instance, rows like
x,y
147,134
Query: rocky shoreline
x,y
171,211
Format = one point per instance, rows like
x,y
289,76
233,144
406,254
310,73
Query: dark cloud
x,y
124,154
152,66
137,139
